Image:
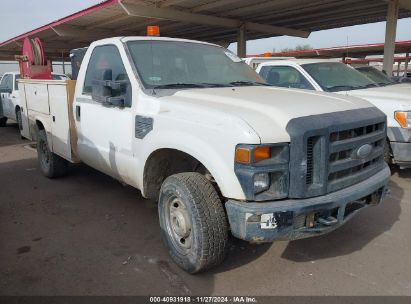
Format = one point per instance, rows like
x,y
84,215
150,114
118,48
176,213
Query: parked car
x,y
379,77
196,129
10,98
336,77
254,62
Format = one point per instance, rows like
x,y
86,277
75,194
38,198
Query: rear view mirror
x,y
109,92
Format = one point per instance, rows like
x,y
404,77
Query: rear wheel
x,y
3,121
51,164
193,222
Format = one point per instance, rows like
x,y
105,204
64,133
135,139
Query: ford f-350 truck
x,y
196,129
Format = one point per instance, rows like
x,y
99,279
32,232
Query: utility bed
x,y
49,103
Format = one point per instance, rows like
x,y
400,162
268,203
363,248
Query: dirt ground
x,y
87,234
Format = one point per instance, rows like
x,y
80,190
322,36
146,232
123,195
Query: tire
x,y
50,164
193,222
3,122
19,120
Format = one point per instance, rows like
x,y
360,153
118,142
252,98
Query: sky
x,y
20,16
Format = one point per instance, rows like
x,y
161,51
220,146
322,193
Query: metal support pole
x,y
390,34
62,60
407,59
399,68
241,42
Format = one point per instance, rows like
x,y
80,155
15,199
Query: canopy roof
x,y
208,20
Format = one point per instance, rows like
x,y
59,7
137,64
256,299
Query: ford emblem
x,y
364,151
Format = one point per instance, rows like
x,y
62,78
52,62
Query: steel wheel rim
x,y
179,226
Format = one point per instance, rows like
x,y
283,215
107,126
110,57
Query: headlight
x,y
262,170
261,182
403,118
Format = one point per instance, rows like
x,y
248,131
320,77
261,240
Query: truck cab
x,y
324,75
197,130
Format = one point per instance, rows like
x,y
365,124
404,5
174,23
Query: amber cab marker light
x,y
401,118
262,153
153,30
242,155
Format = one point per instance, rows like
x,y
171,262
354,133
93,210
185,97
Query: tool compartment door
x,y
60,126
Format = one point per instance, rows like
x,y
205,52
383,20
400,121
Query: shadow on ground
x,y
368,224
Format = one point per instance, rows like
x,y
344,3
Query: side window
x,y
103,59
285,76
7,82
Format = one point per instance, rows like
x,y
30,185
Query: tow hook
x,y
328,221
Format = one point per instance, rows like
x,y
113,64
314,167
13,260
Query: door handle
x,y
78,113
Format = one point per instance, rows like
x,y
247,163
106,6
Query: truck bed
x,y
50,103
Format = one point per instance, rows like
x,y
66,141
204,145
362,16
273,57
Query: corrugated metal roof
x,y
208,20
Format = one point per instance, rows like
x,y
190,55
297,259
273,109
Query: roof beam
x,y
170,3
405,4
209,6
175,15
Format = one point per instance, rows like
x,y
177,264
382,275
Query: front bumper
x,y
300,218
400,142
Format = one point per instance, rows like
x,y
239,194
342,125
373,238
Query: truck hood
x,y
267,110
397,96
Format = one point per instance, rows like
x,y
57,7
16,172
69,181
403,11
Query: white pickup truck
x,y
332,76
194,128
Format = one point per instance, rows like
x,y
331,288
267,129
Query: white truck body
x,y
9,96
167,131
389,99
254,62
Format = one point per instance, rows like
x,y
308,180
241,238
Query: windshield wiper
x,y
371,85
340,88
248,83
179,85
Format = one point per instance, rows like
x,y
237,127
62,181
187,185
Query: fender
x,y
220,167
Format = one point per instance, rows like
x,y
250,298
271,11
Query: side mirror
x,y
109,92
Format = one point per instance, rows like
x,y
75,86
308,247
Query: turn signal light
x,y
242,155
402,119
153,30
262,153
247,155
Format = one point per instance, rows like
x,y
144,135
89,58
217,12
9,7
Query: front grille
x,y
345,166
332,151
310,161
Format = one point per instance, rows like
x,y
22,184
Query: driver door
x,y
105,134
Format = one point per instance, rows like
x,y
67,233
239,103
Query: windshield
x,y
376,75
336,76
175,64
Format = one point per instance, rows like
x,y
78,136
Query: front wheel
x,y
51,164
193,222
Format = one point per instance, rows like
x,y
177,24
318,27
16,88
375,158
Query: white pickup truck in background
x,y
194,128
332,76
10,107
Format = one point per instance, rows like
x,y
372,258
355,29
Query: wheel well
x,y
166,162
39,125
